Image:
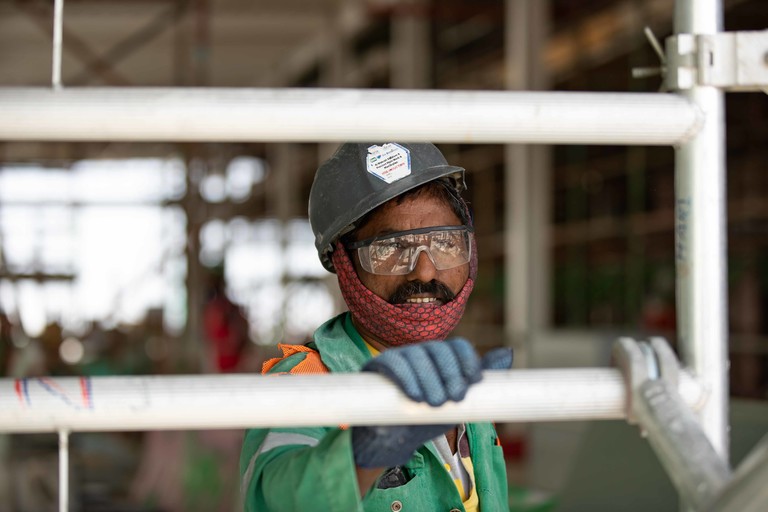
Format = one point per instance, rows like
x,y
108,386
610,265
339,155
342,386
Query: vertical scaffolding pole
x,y
527,190
700,252
517,174
192,355
63,470
58,29
283,203
411,53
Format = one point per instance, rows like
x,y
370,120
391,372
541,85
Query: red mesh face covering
x,y
400,324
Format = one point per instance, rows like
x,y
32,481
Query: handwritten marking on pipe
x,y
85,392
20,385
81,400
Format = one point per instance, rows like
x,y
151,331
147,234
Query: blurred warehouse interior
x,y
117,257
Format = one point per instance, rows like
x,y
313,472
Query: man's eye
x,y
445,242
391,245
444,245
386,248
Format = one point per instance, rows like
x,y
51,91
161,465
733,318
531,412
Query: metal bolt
x,y
396,506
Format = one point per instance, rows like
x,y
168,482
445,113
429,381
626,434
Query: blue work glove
x,y
432,372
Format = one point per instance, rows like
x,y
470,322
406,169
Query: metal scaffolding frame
x,y
691,120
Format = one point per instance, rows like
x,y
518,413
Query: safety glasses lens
x,y
398,254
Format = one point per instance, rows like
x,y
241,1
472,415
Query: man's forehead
x,y
416,211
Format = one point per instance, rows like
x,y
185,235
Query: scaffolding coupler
x,y
732,61
703,479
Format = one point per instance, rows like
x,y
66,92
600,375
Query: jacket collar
x,y
341,347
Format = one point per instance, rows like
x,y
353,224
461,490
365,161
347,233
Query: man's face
x,y
424,283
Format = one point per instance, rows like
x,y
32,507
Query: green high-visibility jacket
x,y
312,469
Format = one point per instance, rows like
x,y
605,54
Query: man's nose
x,y
423,270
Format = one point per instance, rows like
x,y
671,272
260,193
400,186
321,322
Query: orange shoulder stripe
x,y
311,363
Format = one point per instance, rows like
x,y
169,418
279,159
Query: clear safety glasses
x,y
396,254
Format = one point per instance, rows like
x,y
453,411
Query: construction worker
x,y
389,220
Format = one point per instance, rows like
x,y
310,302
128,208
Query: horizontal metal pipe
x,y
240,401
328,115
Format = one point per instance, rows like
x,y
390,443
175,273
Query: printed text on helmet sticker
x,y
389,162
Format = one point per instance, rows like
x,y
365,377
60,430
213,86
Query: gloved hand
x,y
432,372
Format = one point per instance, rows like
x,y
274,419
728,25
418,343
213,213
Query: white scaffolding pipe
x,y
241,401
326,115
700,213
63,470
58,29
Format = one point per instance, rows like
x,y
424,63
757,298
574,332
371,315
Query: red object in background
x,y
659,316
226,329
515,447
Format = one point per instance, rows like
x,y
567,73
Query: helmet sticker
x,y
389,162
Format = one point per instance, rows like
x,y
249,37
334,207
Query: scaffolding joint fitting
x,y
643,361
732,61
651,372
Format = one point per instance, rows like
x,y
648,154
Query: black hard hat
x,y
362,176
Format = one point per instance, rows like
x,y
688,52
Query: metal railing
x,y
692,121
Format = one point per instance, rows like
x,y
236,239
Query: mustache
x,y
434,287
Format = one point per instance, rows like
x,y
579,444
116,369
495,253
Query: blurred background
x,y
149,258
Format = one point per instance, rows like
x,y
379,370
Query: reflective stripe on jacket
x,y
312,468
